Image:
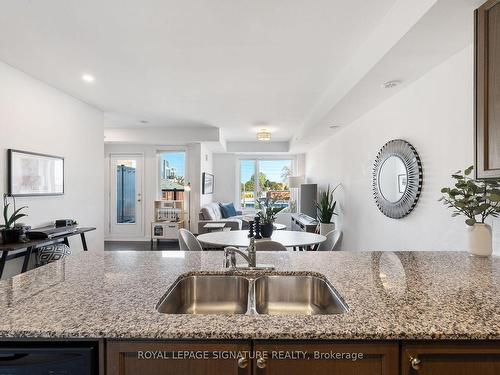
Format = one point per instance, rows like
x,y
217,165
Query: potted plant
x,y
325,208
476,200
267,217
10,233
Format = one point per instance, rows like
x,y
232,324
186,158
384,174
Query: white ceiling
x,y
438,30
233,64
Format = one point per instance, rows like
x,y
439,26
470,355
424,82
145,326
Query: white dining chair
x,y
268,245
188,242
182,245
332,240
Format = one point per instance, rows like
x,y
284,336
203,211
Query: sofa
x,y
211,213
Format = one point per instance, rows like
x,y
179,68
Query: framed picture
x,y
32,174
207,186
402,182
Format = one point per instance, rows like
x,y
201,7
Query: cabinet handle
x,y
415,363
243,362
261,362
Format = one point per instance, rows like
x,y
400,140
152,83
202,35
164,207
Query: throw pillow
x,y
227,210
51,253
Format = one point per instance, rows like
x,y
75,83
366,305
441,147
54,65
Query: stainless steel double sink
x,y
252,295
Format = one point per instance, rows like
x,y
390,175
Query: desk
x,y
31,245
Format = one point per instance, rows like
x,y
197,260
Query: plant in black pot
x,y
11,233
267,217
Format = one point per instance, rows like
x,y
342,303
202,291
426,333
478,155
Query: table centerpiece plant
x,y
267,215
476,200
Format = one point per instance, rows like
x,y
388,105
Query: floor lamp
x,y
187,189
294,182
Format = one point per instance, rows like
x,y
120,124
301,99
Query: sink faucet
x,y
250,257
230,255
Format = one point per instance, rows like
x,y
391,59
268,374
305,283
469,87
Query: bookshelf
x,y
168,219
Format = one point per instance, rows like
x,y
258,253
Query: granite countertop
x,y
391,295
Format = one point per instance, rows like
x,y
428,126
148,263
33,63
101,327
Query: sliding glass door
x,y
262,179
247,184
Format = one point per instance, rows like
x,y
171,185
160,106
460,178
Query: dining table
x,y
239,238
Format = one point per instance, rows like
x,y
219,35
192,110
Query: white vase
x,y
480,241
324,228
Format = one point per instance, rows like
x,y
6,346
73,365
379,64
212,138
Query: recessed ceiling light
x,y
390,84
89,78
263,135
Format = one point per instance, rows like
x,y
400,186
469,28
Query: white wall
x,y
435,114
150,135
206,165
36,117
200,160
226,177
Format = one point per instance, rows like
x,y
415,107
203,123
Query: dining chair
x,y
182,244
188,242
268,245
332,240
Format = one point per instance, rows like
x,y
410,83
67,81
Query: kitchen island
x,y
403,308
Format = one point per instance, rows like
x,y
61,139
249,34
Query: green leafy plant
x,y
474,199
325,205
10,221
268,211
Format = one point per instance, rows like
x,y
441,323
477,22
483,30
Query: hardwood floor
x,y
140,246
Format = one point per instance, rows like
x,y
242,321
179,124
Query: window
x,y
247,176
172,172
264,179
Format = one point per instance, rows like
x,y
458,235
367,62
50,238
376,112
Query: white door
x,y
126,203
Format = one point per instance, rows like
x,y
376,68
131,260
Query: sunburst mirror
x,y
397,179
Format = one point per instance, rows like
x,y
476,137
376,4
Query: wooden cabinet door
x,y
176,358
379,358
487,95
451,358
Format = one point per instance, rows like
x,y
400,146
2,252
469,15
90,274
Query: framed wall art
x,y
207,185
34,174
